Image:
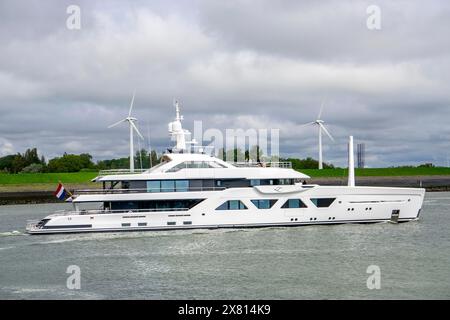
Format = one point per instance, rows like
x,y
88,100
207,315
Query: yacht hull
x,y
350,205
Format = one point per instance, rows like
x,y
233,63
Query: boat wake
x,y
12,233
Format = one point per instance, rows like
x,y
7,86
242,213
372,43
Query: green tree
x,y
6,163
308,163
33,168
71,163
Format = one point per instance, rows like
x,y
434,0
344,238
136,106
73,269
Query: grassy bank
x,y
46,178
378,172
86,177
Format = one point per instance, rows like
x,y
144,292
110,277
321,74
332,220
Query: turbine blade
x,y
326,131
117,123
136,129
132,102
307,124
321,109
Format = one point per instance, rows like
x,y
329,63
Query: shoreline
x,y
43,193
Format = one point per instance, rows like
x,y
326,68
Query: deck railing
x,y
123,211
273,164
120,171
146,190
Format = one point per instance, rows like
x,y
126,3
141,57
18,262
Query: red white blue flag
x,y
60,192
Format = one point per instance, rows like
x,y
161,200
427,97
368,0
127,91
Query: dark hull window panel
x,y
156,205
294,204
69,226
322,202
269,182
142,224
137,184
235,183
232,205
171,223
264,203
187,222
126,224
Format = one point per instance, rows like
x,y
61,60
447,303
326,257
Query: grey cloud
x,y
233,63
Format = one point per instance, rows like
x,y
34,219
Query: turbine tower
x,y
131,121
320,126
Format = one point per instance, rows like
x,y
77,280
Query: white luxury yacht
x,y
190,190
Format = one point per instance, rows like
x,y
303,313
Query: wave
x,y
11,233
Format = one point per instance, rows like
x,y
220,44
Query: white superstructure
x,y
195,190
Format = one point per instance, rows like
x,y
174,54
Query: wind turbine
x,y
131,121
321,126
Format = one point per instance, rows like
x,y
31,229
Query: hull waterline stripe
x,y
190,227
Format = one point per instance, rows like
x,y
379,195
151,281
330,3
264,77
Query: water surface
x,y
311,262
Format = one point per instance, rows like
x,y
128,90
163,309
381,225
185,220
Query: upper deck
x,y
202,166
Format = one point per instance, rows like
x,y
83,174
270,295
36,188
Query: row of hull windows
x,y
186,204
268,203
200,184
158,205
270,182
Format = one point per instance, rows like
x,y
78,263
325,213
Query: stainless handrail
x,y
121,171
272,164
123,211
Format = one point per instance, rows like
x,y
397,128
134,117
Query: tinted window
x,y
156,205
264,203
182,185
167,186
322,202
232,205
294,203
153,186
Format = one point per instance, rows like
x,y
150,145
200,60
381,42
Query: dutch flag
x,y
60,192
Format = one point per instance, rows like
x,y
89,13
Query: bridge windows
x,y
232,205
294,204
167,185
196,165
202,184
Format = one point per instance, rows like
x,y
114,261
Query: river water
x,y
311,262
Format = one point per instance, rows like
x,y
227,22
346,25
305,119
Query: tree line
x,y
30,162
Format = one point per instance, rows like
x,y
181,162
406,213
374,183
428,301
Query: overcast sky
x,y
233,64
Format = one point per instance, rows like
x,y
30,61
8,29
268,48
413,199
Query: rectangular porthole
x,y
187,222
142,224
126,224
171,223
